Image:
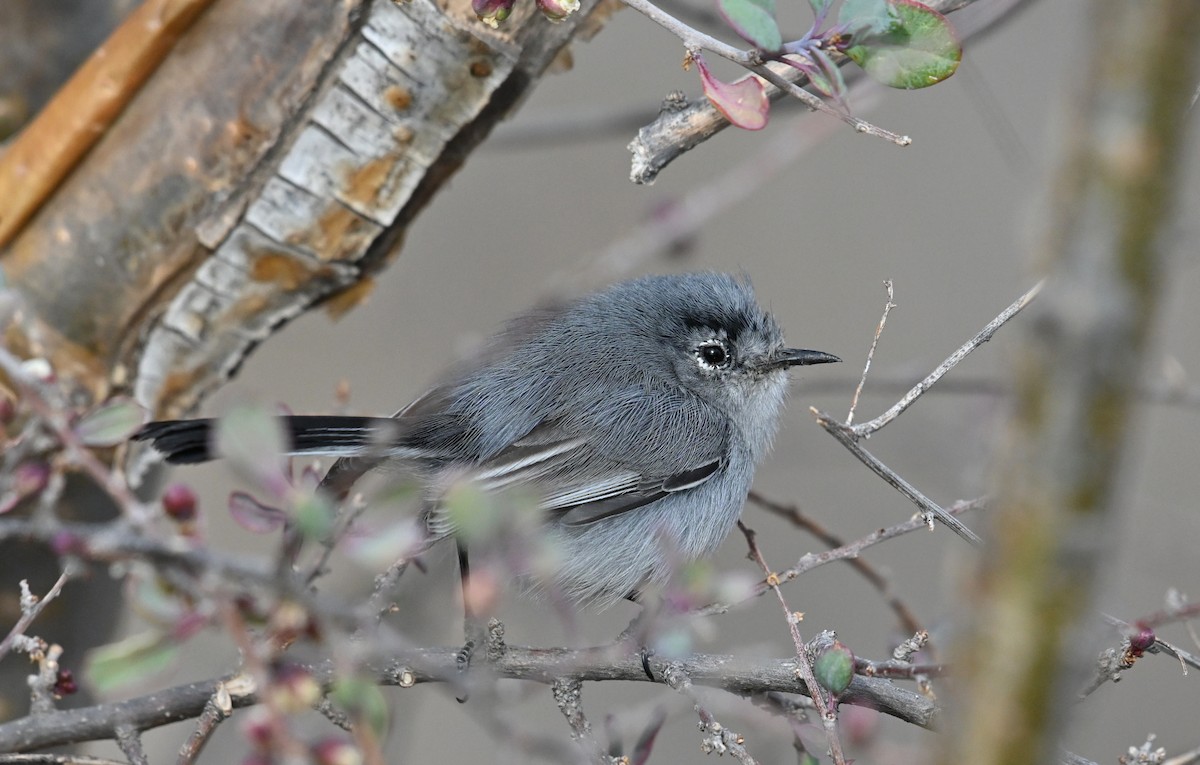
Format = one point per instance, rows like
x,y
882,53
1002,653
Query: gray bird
x,y
636,415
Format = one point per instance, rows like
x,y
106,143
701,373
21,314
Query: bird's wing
x,y
581,480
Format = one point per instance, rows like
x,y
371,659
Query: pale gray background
x,y
949,219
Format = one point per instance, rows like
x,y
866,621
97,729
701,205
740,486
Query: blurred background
x,y
948,219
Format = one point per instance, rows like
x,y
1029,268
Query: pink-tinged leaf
x,y
111,423
253,515
744,103
831,74
754,21
645,742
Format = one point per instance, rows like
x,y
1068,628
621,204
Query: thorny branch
x,y
719,739
908,620
848,435
826,707
739,675
31,607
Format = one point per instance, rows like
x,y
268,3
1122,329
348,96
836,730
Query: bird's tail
x,y
191,441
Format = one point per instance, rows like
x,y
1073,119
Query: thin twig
x,y
908,620
826,708
865,429
218,709
720,739
130,741
860,125
692,37
810,561
1187,758
862,381
30,611
568,696
928,507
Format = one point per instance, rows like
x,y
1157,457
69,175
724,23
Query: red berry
x,y
64,683
1142,641
179,502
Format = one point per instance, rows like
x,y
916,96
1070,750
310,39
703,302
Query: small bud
x,y
557,10
259,727
492,12
179,503
64,683
67,543
294,688
188,625
335,751
30,478
289,621
834,668
1141,642
8,409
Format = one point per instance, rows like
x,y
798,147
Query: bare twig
x,y
719,739
740,675
898,670
865,429
568,696
809,561
217,709
1187,758
31,607
814,102
908,620
848,435
826,707
130,741
862,381
693,38
928,507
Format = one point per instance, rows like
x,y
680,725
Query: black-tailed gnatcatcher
x,y
636,414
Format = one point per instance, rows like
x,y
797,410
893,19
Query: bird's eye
x,y
713,354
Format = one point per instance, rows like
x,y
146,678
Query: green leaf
x,y
921,50
116,664
313,516
744,103
361,698
471,512
252,441
867,17
754,21
111,423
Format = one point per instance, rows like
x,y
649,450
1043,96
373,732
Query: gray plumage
x,y
636,414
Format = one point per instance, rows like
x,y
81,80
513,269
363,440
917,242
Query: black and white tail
x,y
190,441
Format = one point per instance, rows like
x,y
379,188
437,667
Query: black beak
x,y
797,357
